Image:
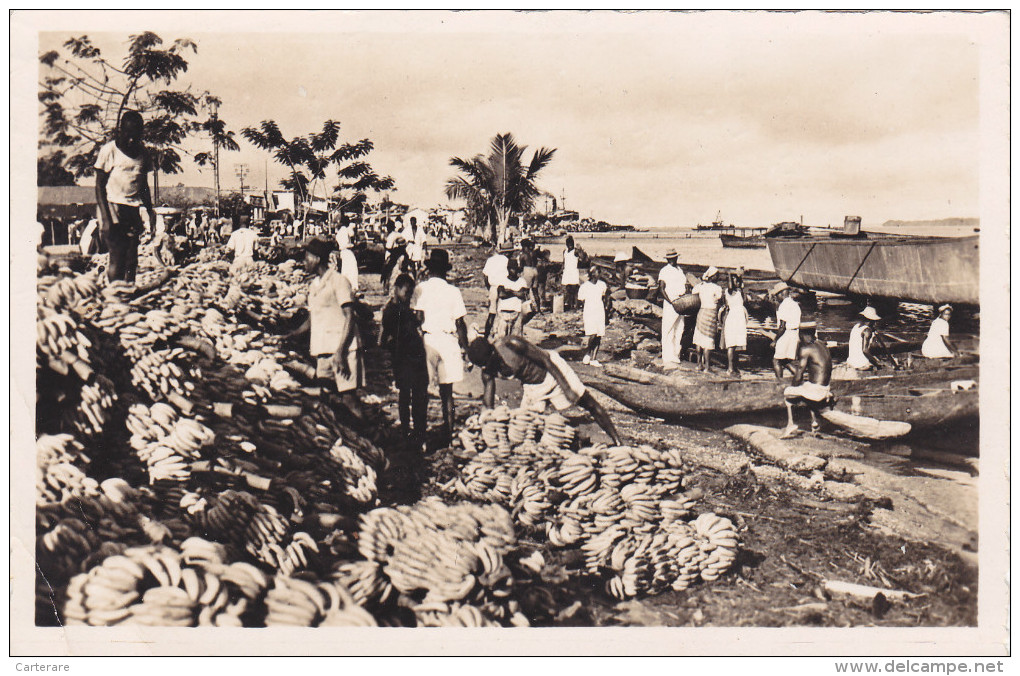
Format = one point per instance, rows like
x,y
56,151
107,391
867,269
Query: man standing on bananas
x,y
546,377
122,188
334,332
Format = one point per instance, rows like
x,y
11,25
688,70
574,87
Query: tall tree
x,y
308,159
497,186
50,170
83,94
220,136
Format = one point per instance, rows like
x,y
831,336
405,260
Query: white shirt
x,y
570,274
442,304
242,243
326,297
391,239
934,347
127,176
675,282
349,267
513,304
87,234
592,292
343,237
789,312
495,269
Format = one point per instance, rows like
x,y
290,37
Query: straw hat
x,y
672,253
943,308
779,288
869,313
710,273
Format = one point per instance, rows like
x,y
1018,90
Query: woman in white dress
x,y
706,330
595,295
937,345
735,324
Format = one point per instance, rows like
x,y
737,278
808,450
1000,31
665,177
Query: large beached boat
x,y
854,263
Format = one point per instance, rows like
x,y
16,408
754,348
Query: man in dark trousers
x,y
401,334
546,377
122,189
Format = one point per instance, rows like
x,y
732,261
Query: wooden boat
x,y
691,394
917,269
642,262
754,238
922,406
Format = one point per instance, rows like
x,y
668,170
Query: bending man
x,y
813,358
546,377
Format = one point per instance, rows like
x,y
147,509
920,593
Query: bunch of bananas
x,y
159,375
56,482
438,614
62,292
159,586
448,551
166,442
359,478
268,372
299,603
60,344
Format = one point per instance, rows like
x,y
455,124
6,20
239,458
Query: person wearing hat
x,y
788,321
862,335
814,362
937,345
334,341
546,377
571,279
672,285
440,307
706,330
495,273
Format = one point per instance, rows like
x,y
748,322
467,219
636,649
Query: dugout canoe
x,y
686,394
928,406
930,270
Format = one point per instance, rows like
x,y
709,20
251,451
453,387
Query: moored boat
x,y
916,269
690,394
930,406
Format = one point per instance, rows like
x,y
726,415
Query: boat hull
x,y
691,396
738,242
921,270
921,407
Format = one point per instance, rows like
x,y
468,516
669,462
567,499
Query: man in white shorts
x,y
545,375
495,273
815,362
440,306
788,336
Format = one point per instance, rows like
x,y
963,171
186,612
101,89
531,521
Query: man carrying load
x,y
546,377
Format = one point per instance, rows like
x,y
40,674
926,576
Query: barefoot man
x,y
546,377
814,360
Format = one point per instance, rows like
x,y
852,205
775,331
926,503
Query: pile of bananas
x,y
57,478
300,603
452,553
63,293
160,586
159,375
166,442
624,506
359,478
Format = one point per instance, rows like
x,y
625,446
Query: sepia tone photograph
x,y
526,320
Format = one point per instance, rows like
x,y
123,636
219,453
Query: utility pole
x,y
216,153
241,170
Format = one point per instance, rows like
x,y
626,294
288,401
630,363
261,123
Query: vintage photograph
x,y
513,319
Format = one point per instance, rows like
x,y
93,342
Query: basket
x,y
687,304
636,291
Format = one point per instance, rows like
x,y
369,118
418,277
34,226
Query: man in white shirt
x,y
495,273
415,244
122,190
571,277
788,335
672,285
242,243
440,307
511,291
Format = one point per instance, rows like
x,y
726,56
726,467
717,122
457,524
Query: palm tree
x,y
498,186
308,157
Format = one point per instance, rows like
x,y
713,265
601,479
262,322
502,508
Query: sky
x,y
658,120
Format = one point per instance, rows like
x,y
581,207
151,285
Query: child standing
x,y
401,334
594,293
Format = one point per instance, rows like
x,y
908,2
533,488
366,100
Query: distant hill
x,y
942,222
